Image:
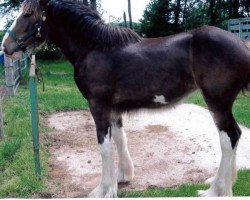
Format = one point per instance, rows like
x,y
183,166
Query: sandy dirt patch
x,y
168,148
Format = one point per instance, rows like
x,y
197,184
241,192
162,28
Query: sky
x,y
113,8
116,8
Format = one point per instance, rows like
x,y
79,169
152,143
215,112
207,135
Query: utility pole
x,y
130,15
125,19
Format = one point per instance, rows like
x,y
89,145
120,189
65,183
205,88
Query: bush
x,y
1,37
49,52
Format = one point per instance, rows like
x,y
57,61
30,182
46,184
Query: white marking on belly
x,y
160,99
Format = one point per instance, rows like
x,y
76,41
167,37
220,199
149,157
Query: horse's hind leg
x,y
125,165
229,133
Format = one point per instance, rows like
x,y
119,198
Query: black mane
x,y
86,26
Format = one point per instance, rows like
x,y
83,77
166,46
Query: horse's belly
x,y
133,99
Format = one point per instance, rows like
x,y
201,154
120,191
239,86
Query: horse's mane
x,y
84,24
31,6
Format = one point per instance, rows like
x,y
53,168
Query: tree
x,y
212,12
177,15
86,2
93,4
130,14
235,8
8,5
164,17
157,19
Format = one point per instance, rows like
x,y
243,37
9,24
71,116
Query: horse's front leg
x,y
108,184
125,165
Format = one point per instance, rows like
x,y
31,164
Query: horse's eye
x,y
27,15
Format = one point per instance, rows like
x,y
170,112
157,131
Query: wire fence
x,y
11,73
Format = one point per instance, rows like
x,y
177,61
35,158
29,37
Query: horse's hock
x,y
166,150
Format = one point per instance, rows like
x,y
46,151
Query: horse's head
x,y
26,32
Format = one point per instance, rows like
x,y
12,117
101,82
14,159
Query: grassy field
x,y
16,152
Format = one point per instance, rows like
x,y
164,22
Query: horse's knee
x,y
226,123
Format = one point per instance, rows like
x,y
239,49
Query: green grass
x,y
16,152
241,108
241,188
181,191
17,177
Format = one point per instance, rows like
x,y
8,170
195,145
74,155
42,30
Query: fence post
x,y
34,115
9,74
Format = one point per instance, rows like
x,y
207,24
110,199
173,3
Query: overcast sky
x,y
114,8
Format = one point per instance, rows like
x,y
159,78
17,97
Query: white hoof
x,y
102,191
210,180
125,173
215,193
206,193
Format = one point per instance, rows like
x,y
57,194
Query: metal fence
x,y
14,70
11,74
240,27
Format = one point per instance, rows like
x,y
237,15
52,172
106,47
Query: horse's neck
x,y
68,46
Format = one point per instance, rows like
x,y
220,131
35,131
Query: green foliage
x,y
160,16
49,52
156,19
7,5
1,35
196,17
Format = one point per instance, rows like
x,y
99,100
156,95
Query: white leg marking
x,y
210,180
160,99
108,186
223,181
125,166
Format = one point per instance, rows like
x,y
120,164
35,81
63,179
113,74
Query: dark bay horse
x,y
117,71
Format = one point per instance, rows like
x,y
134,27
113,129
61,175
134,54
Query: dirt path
x,y
171,147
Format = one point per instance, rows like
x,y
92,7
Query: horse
x,y
118,71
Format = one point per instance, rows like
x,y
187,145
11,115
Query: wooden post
x,y
34,115
16,74
9,75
